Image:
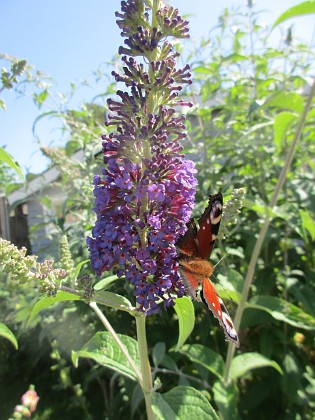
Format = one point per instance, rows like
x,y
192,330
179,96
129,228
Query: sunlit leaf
x,y
282,122
244,363
7,158
2,105
186,319
78,268
105,351
283,311
8,334
104,283
182,402
286,100
308,222
47,301
305,8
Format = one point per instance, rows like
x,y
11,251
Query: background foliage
x,y
249,98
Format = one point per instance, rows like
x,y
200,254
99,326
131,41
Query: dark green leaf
x,y
244,363
283,311
105,351
226,399
182,403
158,353
205,357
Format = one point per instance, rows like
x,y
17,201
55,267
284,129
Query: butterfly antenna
x,y
219,261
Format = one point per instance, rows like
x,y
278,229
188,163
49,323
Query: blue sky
x,y
69,39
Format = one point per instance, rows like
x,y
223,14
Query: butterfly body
x,y
194,249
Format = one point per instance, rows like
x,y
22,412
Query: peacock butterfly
x,y
194,249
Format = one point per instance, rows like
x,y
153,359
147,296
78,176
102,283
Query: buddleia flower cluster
x,y
25,268
145,194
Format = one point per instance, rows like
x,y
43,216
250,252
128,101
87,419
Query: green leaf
x,y
205,357
184,309
47,301
292,382
104,283
232,285
41,98
113,301
158,353
286,100
2,105
308,224
283,311
259,207
78,268
105,351
7,158
226,399
246,362
282,122
182,403
8,334
305,8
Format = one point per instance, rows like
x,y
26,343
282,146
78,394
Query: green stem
x,y
264,229
110,329
145,365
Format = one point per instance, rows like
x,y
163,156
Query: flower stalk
x,y
145,194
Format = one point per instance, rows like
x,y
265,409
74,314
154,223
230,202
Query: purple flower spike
x,y
145,195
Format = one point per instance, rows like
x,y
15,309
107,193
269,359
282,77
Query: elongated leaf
x,y
226,399
283,311
2,105
8,334
104,283
246,362
205,357
158,353
105,351
186,319
286,100
231,286
305,8
7,158
47,301
78,268
282,122
113,300
308,222
182,402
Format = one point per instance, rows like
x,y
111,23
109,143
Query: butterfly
x,y
194,249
